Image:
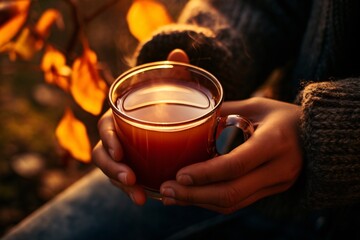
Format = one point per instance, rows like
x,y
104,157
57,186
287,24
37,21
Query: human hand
x,y
108,154
269,162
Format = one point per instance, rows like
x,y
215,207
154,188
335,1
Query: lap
x,y
93,208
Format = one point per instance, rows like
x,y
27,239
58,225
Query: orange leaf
x,y
30,41
46,20
145,16
26,45
72,136
13,15
55,69
87,87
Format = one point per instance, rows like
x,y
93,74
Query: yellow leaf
x,y
72,136
31,40
145,16
87,87
55,70
13,15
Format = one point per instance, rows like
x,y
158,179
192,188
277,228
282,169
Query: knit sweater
x,y
242,42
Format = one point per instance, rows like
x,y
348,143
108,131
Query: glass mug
x,y
167,116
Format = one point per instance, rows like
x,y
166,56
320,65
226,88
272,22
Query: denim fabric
x,y
94,209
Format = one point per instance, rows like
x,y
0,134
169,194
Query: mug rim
x,y
161,64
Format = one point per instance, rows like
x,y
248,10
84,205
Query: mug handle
x,y
231,131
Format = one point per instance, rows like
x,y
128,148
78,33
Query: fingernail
x,y
168,192
123,178
168,201
132,197
185,179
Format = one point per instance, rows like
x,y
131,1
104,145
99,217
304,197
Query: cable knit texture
x,y
331,138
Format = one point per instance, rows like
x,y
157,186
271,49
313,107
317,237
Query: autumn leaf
x,y
72,136
47,19
13,15
87,87
26,45
55,70
31,40
145,16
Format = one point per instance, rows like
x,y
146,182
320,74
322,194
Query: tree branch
x,y
77,25
100,10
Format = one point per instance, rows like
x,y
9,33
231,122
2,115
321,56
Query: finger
x,y
255,151
228,194
241,204
136,193
112,169
244,108
238,162
108,136
178,55
253,108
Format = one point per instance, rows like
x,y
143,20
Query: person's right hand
x,y
108,154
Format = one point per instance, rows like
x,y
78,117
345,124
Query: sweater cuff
x,y
204,49
330,132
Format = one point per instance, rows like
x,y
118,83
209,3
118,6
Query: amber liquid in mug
x,y
154,149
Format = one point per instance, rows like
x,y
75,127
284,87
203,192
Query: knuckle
x,y
229,198
207,176
95,153
291,170
256,100
187,197
101,122
293,173
281,135
184,194
236,167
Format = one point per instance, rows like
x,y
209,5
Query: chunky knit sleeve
x,y
239,41
330,131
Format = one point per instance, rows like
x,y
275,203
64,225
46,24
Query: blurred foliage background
x,y
33,168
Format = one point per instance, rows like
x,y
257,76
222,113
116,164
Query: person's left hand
x,y
269,162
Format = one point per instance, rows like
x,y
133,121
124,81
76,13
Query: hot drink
x,y
167,116
152,144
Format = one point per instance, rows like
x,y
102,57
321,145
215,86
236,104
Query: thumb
x,y
178,55
229,166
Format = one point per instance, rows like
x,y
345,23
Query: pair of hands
x,y
269,162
